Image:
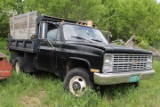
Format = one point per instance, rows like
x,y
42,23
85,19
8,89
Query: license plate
x,y
134,79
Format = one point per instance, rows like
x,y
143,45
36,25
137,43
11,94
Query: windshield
x,y
88,34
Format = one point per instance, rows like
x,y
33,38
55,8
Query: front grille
x,y
129,62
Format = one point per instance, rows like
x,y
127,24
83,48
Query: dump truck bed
x,y
24,45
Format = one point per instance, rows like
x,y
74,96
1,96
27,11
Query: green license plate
x,y
134,79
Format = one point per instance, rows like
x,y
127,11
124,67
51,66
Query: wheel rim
x,y
17,68
77,86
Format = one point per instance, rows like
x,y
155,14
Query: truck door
x,y
47,51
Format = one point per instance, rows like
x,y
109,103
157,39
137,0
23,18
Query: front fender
x,y
82,59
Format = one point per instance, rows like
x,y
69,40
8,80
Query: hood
x,y
112,48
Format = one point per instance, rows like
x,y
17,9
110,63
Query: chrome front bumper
x,y
122,77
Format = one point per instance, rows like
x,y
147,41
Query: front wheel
x,y
77,81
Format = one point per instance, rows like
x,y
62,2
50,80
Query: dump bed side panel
x,y
23,26
23,45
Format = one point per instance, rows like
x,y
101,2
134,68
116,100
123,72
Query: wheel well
x,y
15,54
75,63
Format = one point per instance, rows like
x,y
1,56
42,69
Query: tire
x,y
77,81
19,64
14,55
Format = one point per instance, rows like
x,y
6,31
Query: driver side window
x,y
53,33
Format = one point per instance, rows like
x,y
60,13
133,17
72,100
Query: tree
x,y
4,20
138,17
7,7
71,9
16,6
121,17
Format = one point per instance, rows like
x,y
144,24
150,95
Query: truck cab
x,y
77,52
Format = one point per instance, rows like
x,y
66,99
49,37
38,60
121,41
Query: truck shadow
x,y
45,75
111,91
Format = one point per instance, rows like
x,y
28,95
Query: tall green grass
x,y
46,90
3,46
43,90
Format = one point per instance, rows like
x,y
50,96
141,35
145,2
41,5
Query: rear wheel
x,y
19,64
77,81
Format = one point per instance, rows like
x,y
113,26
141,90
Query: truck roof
x,y
56,19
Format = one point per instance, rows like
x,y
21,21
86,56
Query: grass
x,y
46,90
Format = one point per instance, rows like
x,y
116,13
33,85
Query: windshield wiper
x,y
96,40
77,37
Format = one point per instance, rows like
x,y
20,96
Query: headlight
x,y
107,63
149,62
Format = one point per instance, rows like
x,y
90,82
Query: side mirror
x,y
108,36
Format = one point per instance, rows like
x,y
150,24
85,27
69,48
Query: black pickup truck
x,y
77,53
